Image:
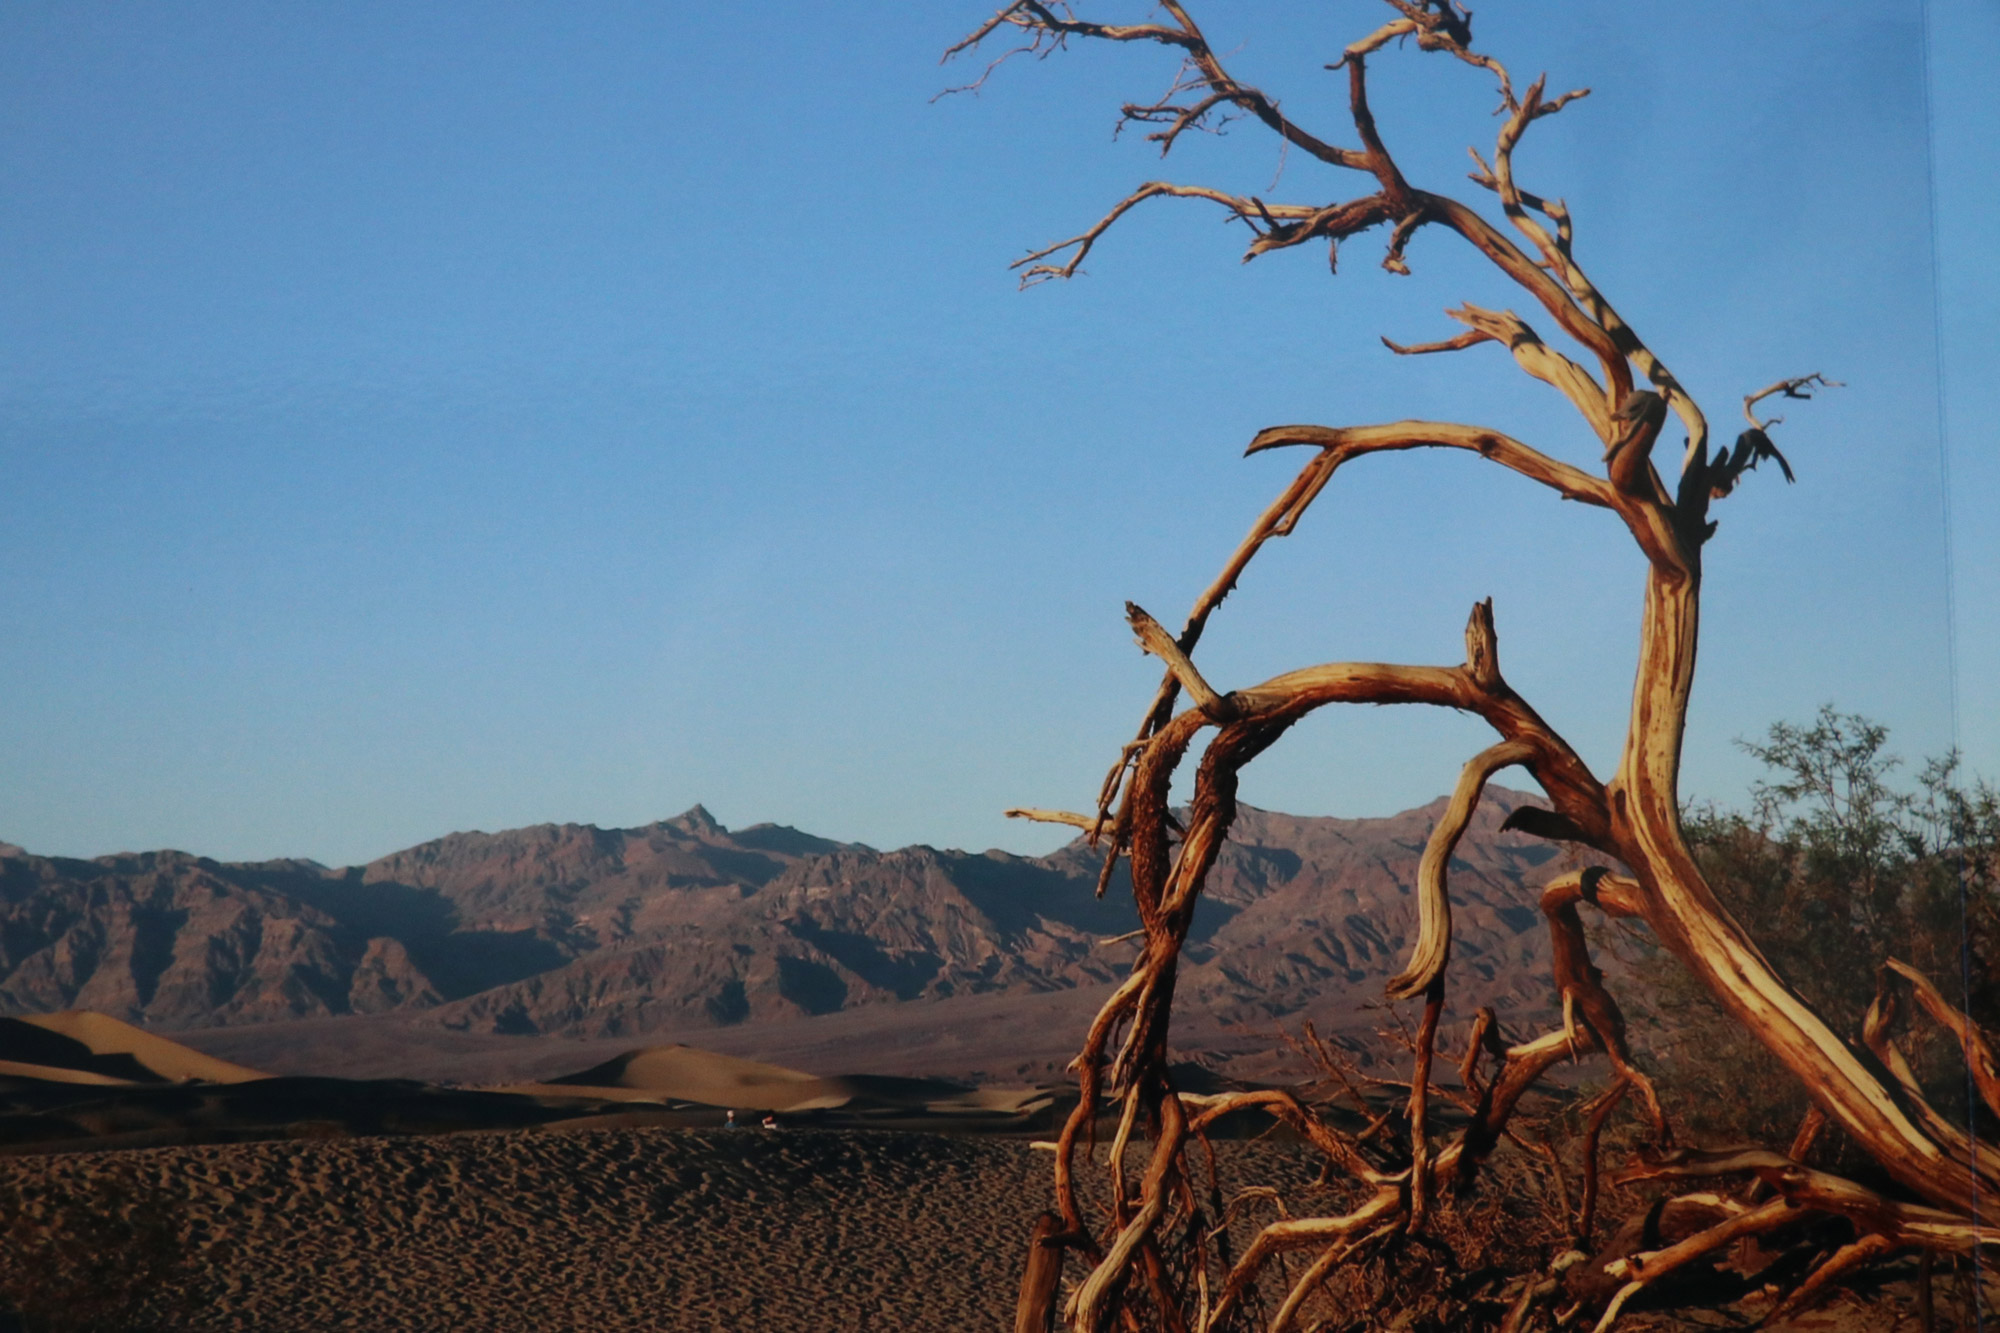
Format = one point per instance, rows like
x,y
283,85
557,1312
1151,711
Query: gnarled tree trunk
x,y
1151,1260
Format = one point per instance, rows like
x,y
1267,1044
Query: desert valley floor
x,y
608,1201
671,1231
455,1090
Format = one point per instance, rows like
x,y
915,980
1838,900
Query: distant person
x,y
770,1122
729,1120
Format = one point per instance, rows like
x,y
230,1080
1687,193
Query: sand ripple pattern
x,y
806,1230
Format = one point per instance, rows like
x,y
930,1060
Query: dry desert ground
x,y
597,1230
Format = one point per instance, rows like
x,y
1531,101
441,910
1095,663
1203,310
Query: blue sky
x,y
419,418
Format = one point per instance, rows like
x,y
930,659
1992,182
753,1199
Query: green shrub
x,y
1834,868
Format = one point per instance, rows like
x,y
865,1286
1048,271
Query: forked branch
x,y
1153,1260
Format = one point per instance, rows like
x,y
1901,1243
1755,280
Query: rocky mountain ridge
x,y
683,924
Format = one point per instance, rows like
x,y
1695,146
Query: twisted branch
x,y
1635,817
1433,948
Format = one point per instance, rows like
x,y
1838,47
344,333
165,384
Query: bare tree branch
x,y
1433,947
1344,442
1155,640
1543,362
1799,386
1470,338
1051,817
1154,1262
1659,1263
1972,1042
1240,208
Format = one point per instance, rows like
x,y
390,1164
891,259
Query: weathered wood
x,y
1035,1312
1635,817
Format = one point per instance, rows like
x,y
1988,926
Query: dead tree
x,y
1151,1261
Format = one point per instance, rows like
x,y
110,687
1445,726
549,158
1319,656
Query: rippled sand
x,y
794,1231
611,1229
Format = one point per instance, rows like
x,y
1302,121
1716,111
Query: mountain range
x,y
683,925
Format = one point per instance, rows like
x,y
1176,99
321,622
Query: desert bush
x,y
1835,866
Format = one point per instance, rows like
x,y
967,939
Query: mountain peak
x,y
696,820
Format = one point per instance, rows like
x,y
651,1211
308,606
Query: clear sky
x,y
428,417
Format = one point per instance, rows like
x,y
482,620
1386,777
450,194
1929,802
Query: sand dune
x,y
82,1041
684,1074
82,1082
41,1117
58,1074
684,1077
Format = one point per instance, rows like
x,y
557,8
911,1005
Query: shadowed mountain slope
x,y
684,925
168,938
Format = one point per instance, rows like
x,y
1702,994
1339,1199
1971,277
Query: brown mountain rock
x,y
170,939
683,924
1327,909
